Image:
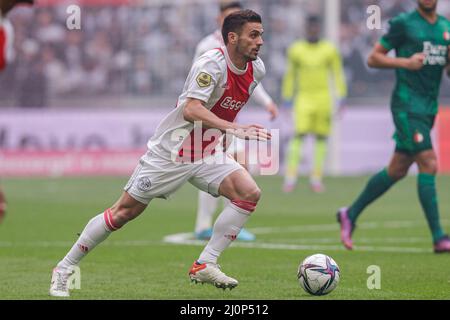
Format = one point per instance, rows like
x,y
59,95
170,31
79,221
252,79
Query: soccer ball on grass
x,y
318,274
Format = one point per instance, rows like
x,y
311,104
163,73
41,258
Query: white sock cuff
x,y
109,222
243,206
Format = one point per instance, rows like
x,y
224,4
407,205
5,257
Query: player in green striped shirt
x,y
421,40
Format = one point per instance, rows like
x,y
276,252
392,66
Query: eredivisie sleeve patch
x,y
204,80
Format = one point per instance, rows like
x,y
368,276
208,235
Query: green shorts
x,y
412,132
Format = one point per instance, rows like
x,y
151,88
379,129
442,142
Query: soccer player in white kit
x,y
6,56
207,204
218,86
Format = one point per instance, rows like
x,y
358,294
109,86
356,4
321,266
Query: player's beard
x,y
426,8
248,53
251,57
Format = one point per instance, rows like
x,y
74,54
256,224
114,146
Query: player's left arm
x,y
263,98
259,93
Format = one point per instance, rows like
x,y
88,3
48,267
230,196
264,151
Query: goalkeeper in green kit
x,y
421,40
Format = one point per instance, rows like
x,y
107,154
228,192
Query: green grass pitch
x,y
45,216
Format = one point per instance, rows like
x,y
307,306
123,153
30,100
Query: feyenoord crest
x,y
144,184
447,35
418,137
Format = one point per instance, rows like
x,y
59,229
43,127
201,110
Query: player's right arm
x,y
195,110
393,39
202,81
378,58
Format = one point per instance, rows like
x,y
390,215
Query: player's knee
x,y
398,174
248,200
434,168
253,195
429,166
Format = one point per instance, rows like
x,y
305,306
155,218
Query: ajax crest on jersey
x,y
318,274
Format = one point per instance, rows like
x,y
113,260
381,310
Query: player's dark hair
x,y
235,21
225,5
313,19
5,7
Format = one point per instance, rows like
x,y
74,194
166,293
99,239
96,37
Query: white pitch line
x,y
183,239
335,226
335,240
187,238
68,244
302,244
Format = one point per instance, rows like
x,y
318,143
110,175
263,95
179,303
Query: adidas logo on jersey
x,y
230,103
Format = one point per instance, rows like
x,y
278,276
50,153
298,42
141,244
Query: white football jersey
x,y
222,87
215,40
6,42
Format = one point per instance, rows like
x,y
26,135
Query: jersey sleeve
x,y
259,70
203,78
395,35
6,43
200,49
260,94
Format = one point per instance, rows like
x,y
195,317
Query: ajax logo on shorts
x,y
144,184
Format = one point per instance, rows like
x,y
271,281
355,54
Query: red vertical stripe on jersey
x,y
189,149
2,48
234,97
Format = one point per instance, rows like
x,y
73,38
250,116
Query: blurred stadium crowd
x,y
146,51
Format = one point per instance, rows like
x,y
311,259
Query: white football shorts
x,y
157,177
